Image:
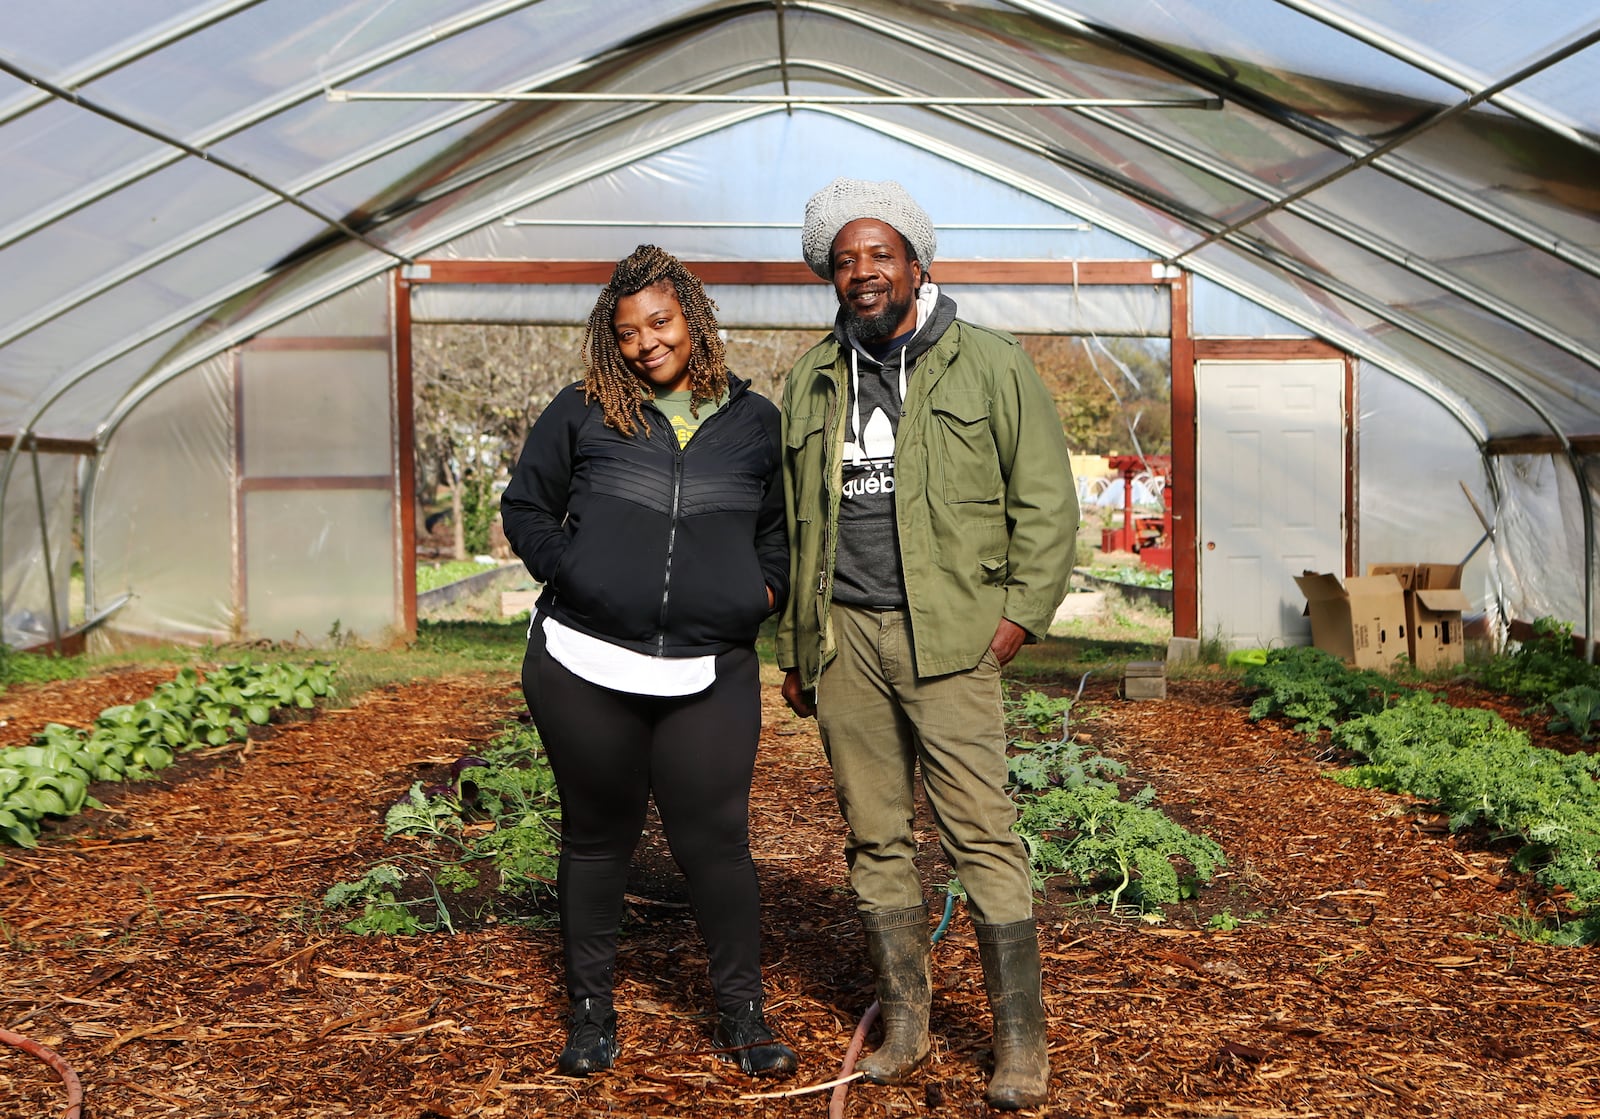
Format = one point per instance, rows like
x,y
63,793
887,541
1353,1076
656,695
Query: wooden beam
x,y
316,482
1084,273
1264,349
405,434
1185,501
330,342
49,446
1541,445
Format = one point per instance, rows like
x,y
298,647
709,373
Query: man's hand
x,y
1008,638
801,701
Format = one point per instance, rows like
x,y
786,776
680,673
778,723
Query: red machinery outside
x,y
1147,534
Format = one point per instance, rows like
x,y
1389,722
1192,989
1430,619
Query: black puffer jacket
x,y
664,551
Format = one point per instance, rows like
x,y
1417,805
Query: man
x,y
932,518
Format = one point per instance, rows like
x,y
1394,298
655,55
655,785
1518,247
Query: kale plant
x,y
1315,690
497,815
1126,851
1540,667
1479,769
1577,710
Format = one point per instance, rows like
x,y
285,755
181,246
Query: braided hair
x,y
608,379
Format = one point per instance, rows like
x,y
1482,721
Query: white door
x,y
1270,470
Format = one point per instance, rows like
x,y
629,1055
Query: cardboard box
x,y
1435,604
1362,621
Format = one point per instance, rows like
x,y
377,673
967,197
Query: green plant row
x,y
1314,690
1134,576
1541,667
431,576
1076,823
1481,770
497,816
34,668
1468,762
51,776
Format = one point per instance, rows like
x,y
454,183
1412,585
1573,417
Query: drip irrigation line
x,y
847,1067
62,1069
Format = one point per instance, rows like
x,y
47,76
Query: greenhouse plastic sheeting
x,y
1419,191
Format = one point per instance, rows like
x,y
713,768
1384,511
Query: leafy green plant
x,y
1540,667
1038,711
1315,690
1074,822
1577,710
498,815
1122,850
1072,763
1140,576
1480,770
381,910
50,776
35,668
1228,921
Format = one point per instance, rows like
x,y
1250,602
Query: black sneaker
x,y
591,1038
743,1034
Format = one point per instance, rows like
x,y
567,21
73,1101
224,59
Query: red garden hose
x,y
62,1069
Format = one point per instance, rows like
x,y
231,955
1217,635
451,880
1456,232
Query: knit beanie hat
x,y
844,201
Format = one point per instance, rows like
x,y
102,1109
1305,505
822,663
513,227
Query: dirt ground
x,y
169,948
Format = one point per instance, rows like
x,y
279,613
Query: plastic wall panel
x,y
316,558
1020,309
1273,42
312,413
764,170
1412,460
78,410
27,583
1539,539
362,311
160,518
1216,312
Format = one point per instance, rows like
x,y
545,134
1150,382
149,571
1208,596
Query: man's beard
x,y
877,326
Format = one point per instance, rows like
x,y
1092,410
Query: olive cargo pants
x,y
879,722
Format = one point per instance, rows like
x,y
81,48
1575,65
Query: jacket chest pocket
x,y
963,445
805,453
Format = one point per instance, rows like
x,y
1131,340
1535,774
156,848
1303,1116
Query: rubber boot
x,y
591,1038
744,1034
897,945
1010,955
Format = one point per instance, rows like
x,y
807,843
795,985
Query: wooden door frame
x,y
1185,351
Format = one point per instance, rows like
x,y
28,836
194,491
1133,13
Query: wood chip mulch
x,y
171,949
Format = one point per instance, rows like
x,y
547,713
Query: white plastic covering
x,y
32,616
1539,539
1418,189
1412,464
1024,309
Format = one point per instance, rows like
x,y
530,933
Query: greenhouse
x,y
1367,230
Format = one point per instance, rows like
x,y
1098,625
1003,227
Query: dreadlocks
x,y
621,394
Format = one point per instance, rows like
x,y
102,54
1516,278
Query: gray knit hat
x,y
845,200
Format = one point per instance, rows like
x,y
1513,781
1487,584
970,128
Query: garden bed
x,y
1160,597
1352,960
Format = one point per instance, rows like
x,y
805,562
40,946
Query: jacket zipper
x,y
830,515
672,528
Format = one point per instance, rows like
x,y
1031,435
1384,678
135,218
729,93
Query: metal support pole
x,y
44,538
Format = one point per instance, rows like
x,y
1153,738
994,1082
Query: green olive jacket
x,y
984,499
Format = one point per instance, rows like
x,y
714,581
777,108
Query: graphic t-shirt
x,y
675,405
867,567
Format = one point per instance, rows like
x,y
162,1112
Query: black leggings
x,y
611,752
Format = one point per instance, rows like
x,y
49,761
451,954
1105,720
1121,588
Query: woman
x,y
649,503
